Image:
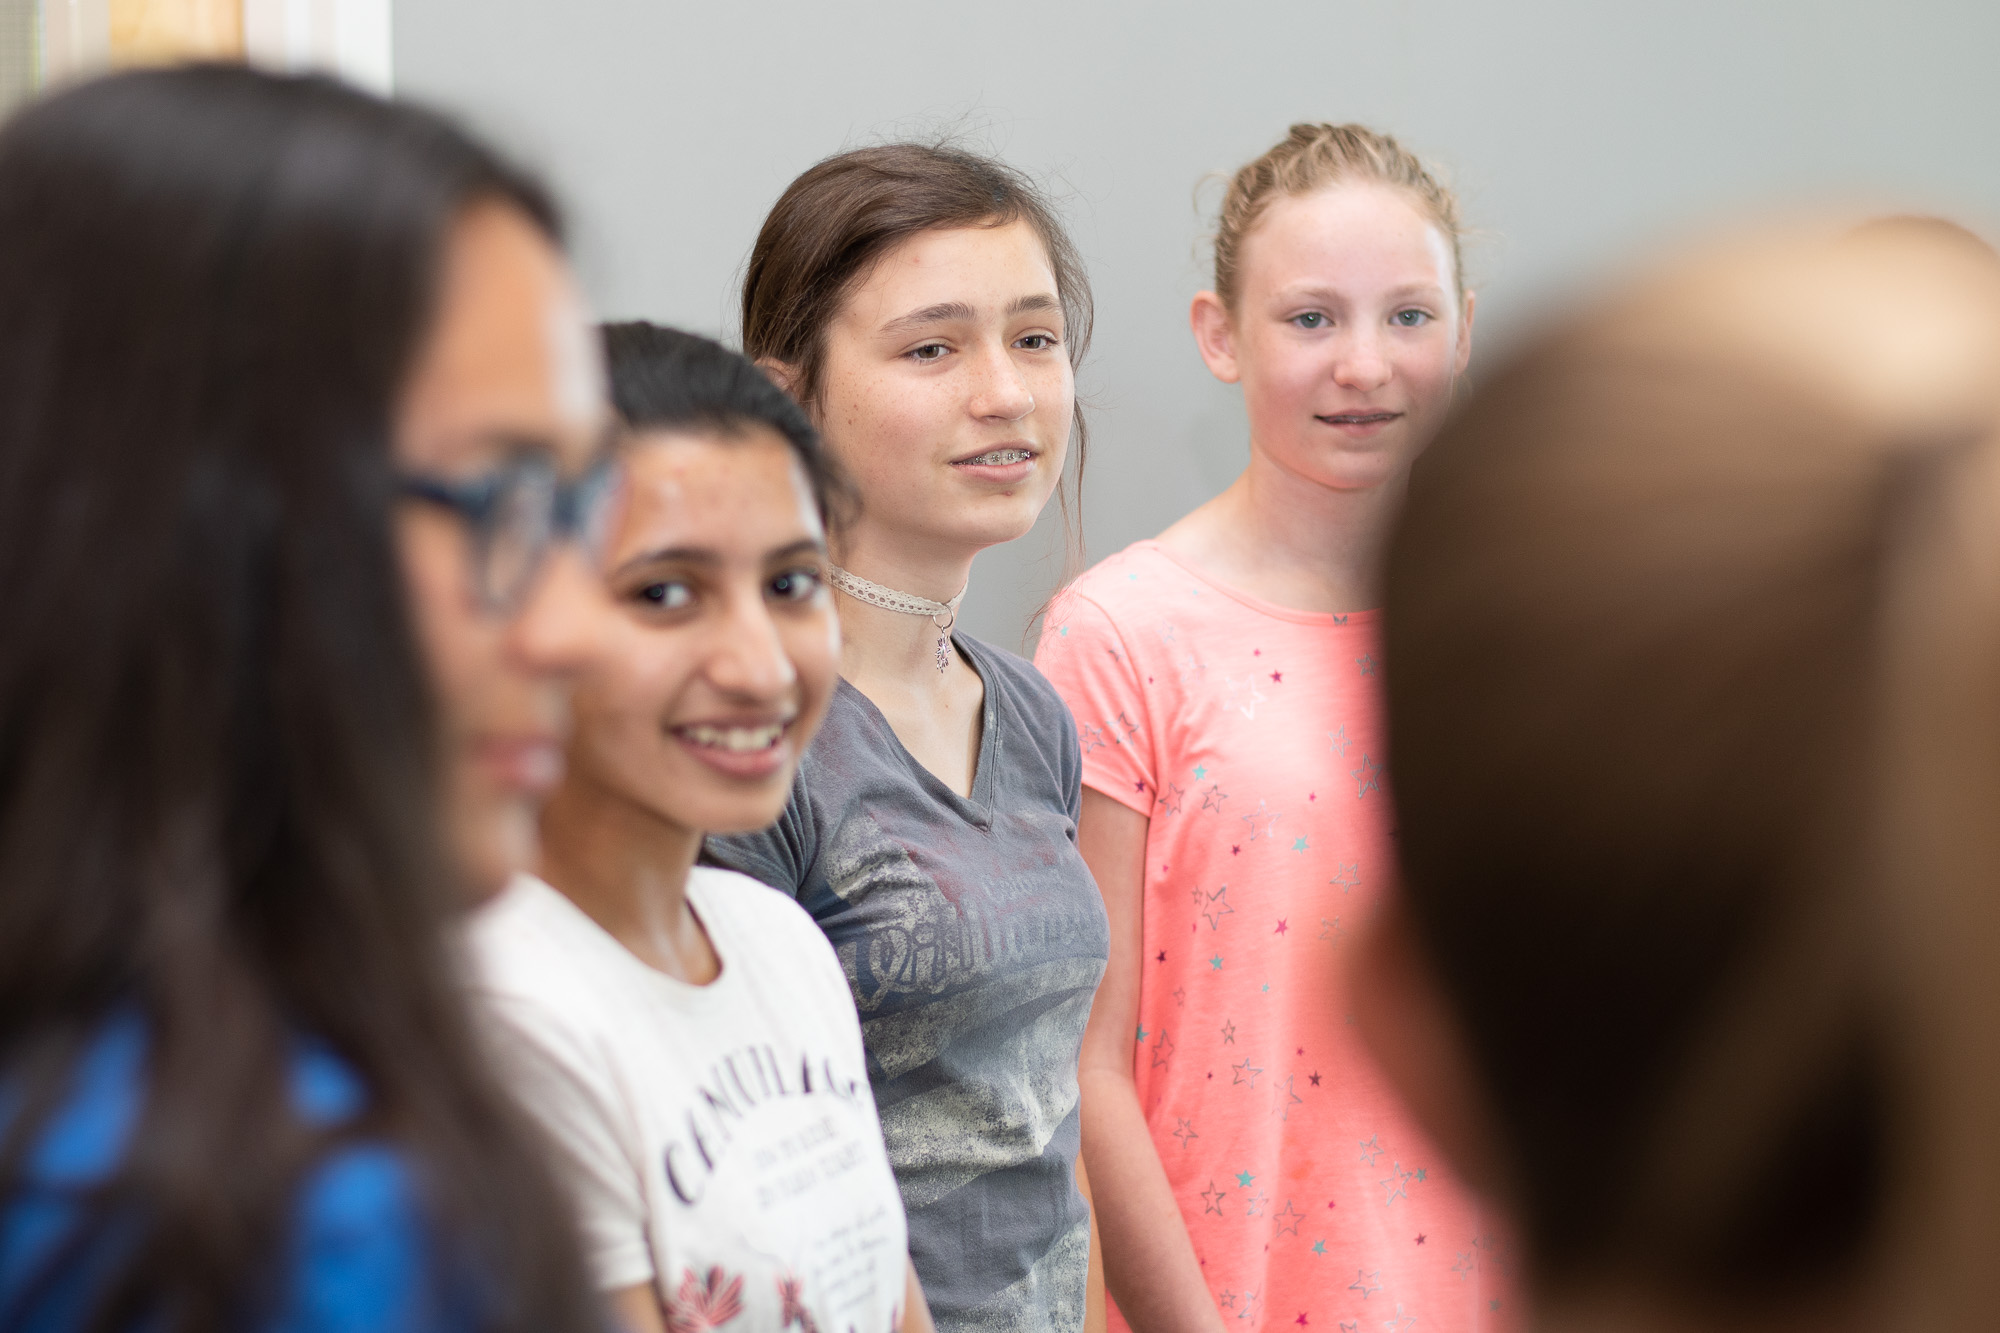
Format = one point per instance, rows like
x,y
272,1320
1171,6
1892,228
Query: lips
x,y
1004,457
532,765
1357,418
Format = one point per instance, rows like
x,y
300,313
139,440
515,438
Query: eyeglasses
x,y
516,514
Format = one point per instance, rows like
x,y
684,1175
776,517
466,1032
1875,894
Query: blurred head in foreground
x,y
1650,977
296,401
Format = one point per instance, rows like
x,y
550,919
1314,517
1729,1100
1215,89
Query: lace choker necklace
x,y
909,604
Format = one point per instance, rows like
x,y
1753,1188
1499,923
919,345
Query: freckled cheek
x,y
892,448
1054,393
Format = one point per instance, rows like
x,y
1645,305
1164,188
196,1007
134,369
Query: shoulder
x,y
1123,608
783,939
1131,583
1021,680
541,969
852,740
528,938
850,721
751,905
781,855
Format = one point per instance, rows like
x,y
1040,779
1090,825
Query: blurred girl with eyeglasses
x,y
300,425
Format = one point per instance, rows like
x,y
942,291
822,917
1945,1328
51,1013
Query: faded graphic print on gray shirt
x,y
973,939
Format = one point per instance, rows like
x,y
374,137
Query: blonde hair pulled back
x,y
1311,158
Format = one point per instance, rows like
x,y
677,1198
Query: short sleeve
x,y
781,855
573,1098
1085,658
818,960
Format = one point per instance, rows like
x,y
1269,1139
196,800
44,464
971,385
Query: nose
x,y
1361,364
747,655
559,630
1001,392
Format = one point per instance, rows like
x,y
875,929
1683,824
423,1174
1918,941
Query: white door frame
x,y
348,38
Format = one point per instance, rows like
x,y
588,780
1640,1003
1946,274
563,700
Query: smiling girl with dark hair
x,y
682,1032
296,414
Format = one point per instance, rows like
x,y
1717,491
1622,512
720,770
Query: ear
x,y
1408,1025
1214,337
1463,355
781,373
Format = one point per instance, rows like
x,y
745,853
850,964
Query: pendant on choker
x,y
942,614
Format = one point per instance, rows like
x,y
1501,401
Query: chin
x,y
724,818
1353,469
492,848
996,524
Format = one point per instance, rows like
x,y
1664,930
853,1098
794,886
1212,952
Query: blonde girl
x,y
1251,1168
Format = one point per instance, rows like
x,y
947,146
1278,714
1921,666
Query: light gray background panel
x,y
1577,132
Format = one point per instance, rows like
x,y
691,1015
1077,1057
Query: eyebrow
x,y
945,312
803,546
941,313
501,446
662,555
1333,295
702,555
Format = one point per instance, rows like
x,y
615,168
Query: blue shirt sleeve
x,y
360,1254
358,1257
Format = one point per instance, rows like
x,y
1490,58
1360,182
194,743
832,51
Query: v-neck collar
x,y
976,809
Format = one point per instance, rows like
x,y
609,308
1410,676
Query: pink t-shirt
x,y
1251,736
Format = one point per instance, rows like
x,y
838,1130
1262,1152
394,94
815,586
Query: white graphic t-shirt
x,y
721,1141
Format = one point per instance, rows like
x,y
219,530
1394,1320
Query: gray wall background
x,y
1577,131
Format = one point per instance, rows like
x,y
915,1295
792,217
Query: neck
x,y
626,868
1295,541
882,645
1336,533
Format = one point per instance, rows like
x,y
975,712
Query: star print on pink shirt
x,y
1301,1178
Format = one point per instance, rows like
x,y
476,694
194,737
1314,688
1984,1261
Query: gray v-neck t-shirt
x,y
973,939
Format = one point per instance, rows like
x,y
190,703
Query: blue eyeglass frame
x,y
576,512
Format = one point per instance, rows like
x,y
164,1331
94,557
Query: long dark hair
x,y
217,806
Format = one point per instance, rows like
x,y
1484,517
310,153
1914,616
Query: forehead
x,y
980,266
716,489
1360,231
510,349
